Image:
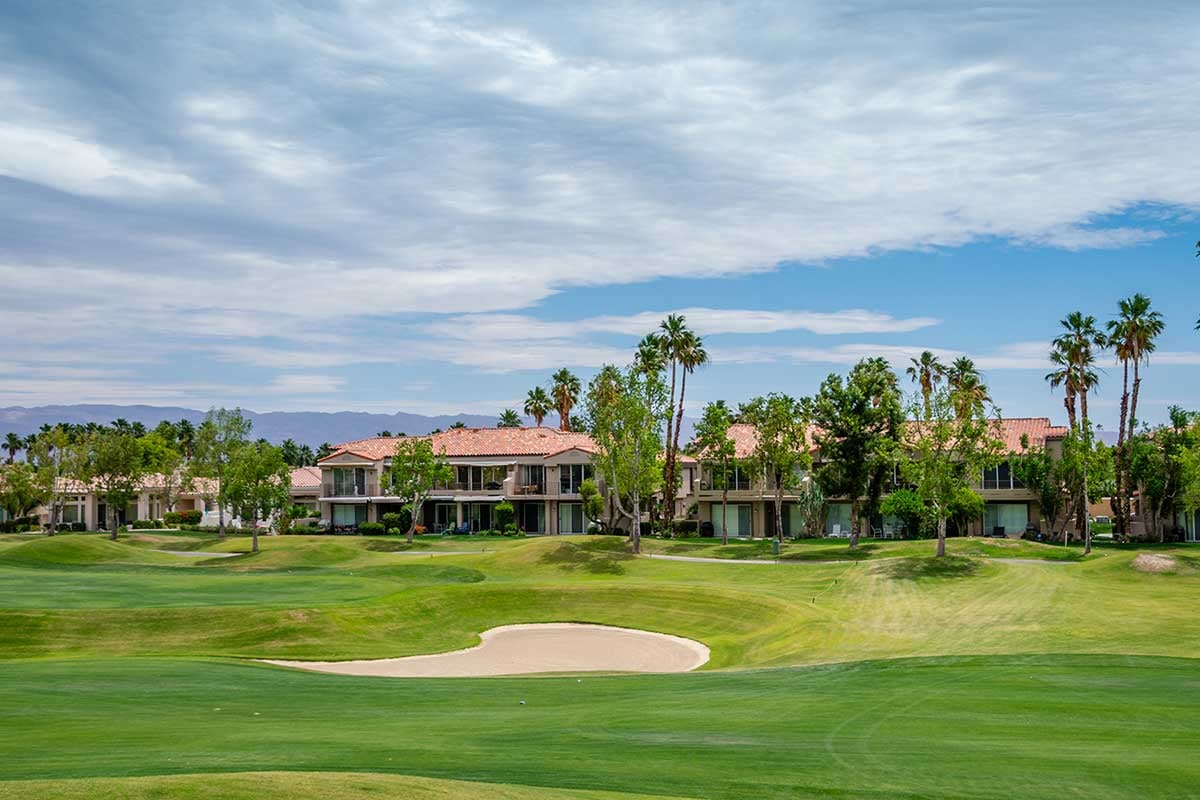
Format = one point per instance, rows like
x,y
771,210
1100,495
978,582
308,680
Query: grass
x,y
1007,669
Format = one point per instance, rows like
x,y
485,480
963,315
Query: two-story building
x,y
538,470
1008,504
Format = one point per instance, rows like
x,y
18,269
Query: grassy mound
x,y
80,550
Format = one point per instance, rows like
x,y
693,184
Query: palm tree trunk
x,y
673,452
1122,506
725,513
669,466
1087,454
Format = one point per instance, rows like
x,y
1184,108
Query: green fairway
x,y
1006,670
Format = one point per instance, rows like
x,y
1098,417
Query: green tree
x,y
908,507
59,465
13,444
811,502
593,502
222,432
781,445
508,419
714,446
683,351
537,405
164,459
626,412
291,453
858,428
324,450
967,388
416,469
116,467
258,483
20,490
1042,474
944,454
1132,334
926,371
1158,461
565,388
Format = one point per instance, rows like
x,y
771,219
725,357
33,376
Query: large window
x,y
1011,517
480,478
572,475
348,516
533,478
738,517
445,515
570,518
480,516
533,517
737,479
1001,477
349,481
837,519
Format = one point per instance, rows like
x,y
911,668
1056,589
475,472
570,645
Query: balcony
x,y
529,488
366,489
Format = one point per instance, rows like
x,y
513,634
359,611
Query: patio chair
x,y
837,530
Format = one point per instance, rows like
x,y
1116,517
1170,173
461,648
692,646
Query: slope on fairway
x,y
986,727
80,550
291,785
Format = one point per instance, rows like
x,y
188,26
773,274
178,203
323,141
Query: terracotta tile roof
x,y
306,478
149,484
467,442
1038,429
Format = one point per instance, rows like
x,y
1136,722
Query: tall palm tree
x,y
1077,345
13,444
508,419
967,387
651,358
1131,334
565,389
1061,376
537,405
691,355
675,339
928,371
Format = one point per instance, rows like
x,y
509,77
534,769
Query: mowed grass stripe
x,y
984,727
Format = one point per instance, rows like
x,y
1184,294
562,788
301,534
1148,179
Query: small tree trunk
x,y
941,531
53,517
854,523
635,535
779,511
254,535
725,514
412,523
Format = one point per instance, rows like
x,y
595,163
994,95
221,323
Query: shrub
x,y
191,517
172,518
504,515
398,519
78,527
142,524
372,529
393,531
510,529
685,527
17,524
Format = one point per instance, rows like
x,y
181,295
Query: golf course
x,y
138,669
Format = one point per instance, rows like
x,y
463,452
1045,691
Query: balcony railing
x,y
529,488
368,489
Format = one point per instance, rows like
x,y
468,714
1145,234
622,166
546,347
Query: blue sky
x,y
430,207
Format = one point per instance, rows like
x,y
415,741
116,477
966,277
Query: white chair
x,y
837,530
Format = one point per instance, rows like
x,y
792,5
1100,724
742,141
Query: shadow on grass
x,y
393,545
864,551
929,567
598,557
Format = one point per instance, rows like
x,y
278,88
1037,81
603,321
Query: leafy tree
x,y
717,449
781,447
908,506
20,490
58,463
966,505
116,467
626,412
509,419
504,516
565,388
944,455
1041,473
927,371
858,424
220,434
537,405
1132,334
416,469
257,483
1158,463
593,502
162,457
811,502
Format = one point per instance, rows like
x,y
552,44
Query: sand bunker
x,y
1150,562
523,649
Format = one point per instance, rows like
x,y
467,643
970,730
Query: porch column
x,y
552,517
458,514
143,506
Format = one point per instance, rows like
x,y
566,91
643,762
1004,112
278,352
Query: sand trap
x,y
1151,562
523,649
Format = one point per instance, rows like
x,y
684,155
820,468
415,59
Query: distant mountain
x,y
306,427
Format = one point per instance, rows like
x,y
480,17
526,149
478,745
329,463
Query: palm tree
x,y
565,388
1061,376
691,354
1076,346
537,405
1131,334
457,425
967,387
509,419
684,350
187,437
928,371
651,358
13,444
384,434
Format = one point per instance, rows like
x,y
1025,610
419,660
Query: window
x,y
570,518
444,516
481,516
348,516
533,517
1012,517
349,481
533,477
480,478
738,517
1001,477
572,475
71,513
837,519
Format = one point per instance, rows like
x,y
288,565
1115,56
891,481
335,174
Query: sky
x,y
430,207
